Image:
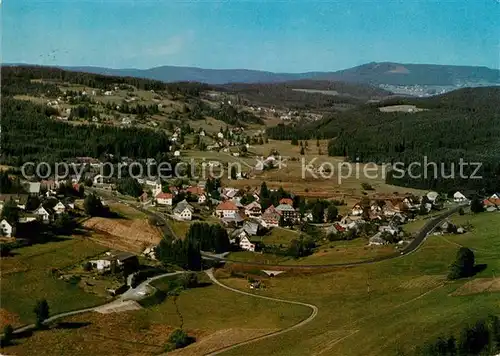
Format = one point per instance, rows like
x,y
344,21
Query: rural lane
x,y
131,294
314,312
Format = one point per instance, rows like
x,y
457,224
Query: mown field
x,y
214,316
26,277
392,306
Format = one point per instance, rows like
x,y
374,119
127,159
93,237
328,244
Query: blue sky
x,y
282,36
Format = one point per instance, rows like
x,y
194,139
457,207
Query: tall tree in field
x,y
41,311
463,265
476,206
92,205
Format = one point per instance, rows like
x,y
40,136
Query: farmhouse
x,y
226,209
183,211
271,217
7,229
164,199
458,197
253,209
120,259
357,210
245,244
287,211
44,214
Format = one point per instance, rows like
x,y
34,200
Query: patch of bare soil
x,y
128,235
7,317
220,339
479,285
425,282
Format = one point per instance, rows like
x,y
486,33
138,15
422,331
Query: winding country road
x,y
298,325
131,294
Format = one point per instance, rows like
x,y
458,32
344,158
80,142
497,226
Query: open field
x,y
328,253
394,305
277,236
341,183
126,211
344,252
215,316
26,277
180,228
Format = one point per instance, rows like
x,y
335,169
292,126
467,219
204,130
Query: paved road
x,y
314,312
135,294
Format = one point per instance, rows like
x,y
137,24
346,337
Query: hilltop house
x,y
183,211
164,199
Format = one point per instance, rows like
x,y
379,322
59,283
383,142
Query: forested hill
x,y
461,124
22,80
307,94
28,134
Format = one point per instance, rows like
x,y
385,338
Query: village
x,y
247,214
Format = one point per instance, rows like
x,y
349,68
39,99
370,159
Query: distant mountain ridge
x,y
370,73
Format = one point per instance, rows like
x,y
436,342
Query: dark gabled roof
x,y
20,198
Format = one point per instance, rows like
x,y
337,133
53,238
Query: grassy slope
x,y
391,305
26,277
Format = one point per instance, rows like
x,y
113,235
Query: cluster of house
x,y
51,205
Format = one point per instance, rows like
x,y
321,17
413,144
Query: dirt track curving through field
x,y
273,334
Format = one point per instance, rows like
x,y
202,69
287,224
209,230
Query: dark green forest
x,y
19,80
28,134
461,124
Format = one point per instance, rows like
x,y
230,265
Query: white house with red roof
x,y
226,209
164,199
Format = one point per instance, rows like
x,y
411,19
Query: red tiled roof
x,y
339,228
227,205
491,202
163,196
196,190
286,201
